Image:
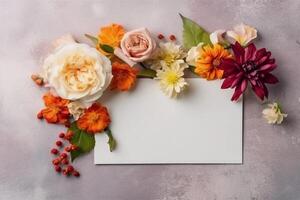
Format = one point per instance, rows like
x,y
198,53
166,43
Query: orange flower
x,y
124,76
56,110
110,35
210,59
95,119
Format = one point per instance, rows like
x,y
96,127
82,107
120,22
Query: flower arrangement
x,y
76,75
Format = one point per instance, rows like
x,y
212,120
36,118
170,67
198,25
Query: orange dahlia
x,y
95,119
209,61
56,110
124,76
111,35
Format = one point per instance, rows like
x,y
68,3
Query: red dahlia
x,y
249,66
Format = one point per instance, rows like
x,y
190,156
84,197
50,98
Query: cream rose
x,y
138,45
77,72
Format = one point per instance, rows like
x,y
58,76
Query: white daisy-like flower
x,y
273,114
166,54
171,79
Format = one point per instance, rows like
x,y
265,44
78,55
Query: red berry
x,y
70,168
172,37
63,155
76,173
69,135
73,147
161,36
66,172
65,161
55,161
68,149
40,115
57,168
68,124
59,143
54,151
61,135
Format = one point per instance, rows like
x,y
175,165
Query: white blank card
x,y
201,126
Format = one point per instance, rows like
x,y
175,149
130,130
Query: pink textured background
x,y
271,153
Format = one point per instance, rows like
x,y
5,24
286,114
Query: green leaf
x,y
147,73
193,34
84,141
106,48
92,38
111,141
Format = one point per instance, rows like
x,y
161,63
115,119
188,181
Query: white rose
x,y
273,114
243,34
77,72
193,54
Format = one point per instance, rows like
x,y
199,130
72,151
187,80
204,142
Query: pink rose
x,y
138,45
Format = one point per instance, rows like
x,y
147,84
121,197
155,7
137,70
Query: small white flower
x,y
273,114
167,53
243,34
193,54
171,79
217,37
76,109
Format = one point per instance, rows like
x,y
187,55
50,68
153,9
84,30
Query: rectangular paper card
x,y
201,126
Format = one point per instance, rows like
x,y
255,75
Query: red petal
x,y
267,68
227,82
259,92
270,78
244,85
260,53
250,52
237,93
239,52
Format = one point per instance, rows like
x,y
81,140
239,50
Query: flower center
x,y
249,66
79,74
216,62
172,78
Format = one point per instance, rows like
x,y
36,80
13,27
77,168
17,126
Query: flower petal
x,y
239,52
270,78
250,52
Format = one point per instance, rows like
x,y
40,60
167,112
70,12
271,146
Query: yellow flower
x,y
167,54
171,79
210,59
111,35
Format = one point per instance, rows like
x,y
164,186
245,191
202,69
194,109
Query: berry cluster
x,y
61,162
171,37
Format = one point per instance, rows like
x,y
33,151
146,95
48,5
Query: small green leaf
x,y
193,34
111,141
92,38
147,73
106,48
85,142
